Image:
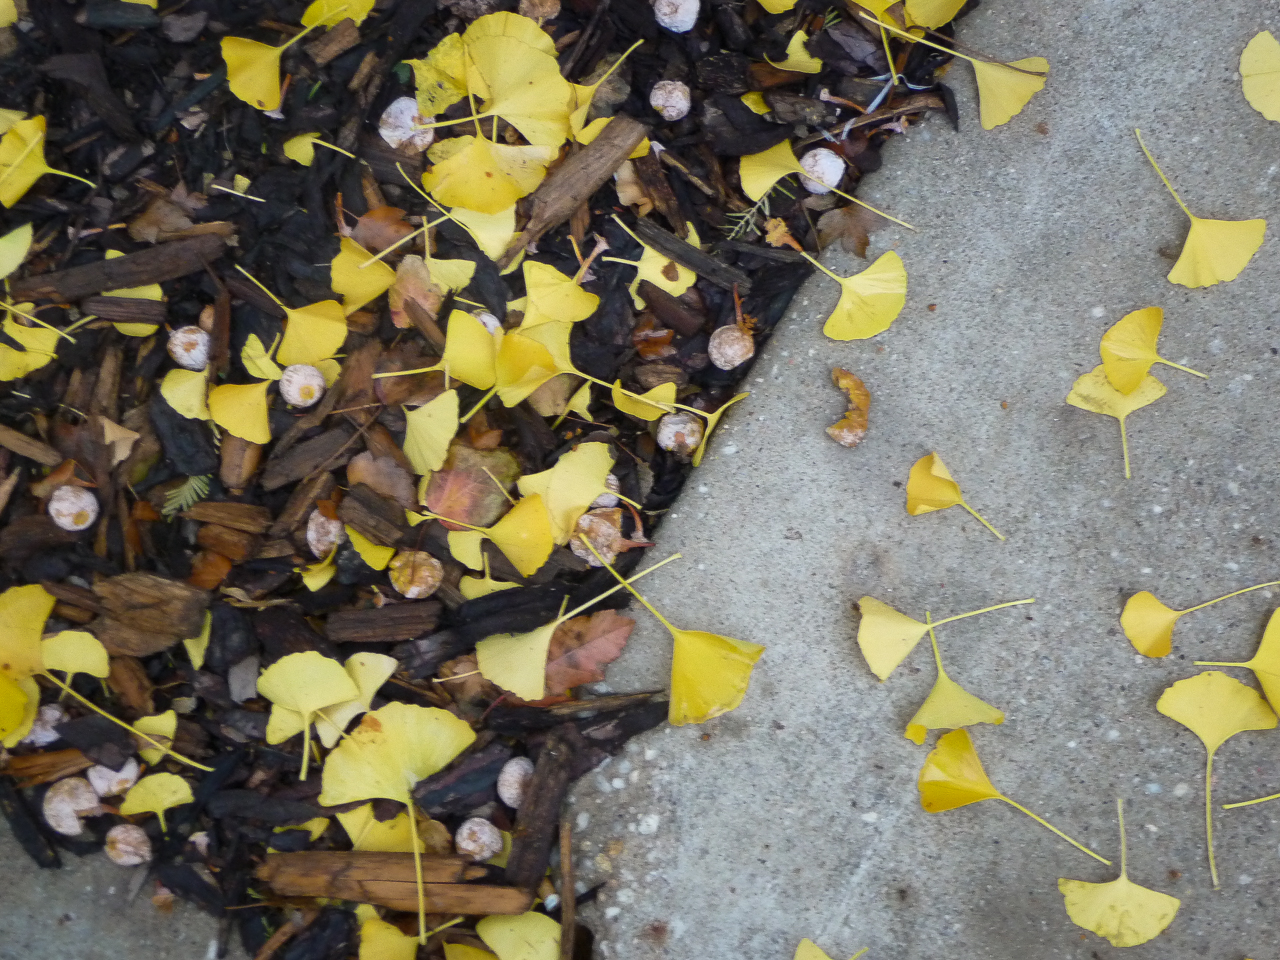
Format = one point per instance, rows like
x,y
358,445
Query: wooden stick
x,y
168,261
29,447
129,309
687,255
568,895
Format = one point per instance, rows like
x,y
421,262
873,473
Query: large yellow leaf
x,y
1005,88
931,487
241,410
649,405
528,936
505,24
156,794
1094,392
428,431
23,611
709,674
39,347
1215,250
471,351
1129,349
522,85
358,277
517,661
253,71
1121,911
948,705
314,332
1260,74
370,834
524,535
22,160
13,249
1215,708
380,940
569,487
869,301
551,296
23,696
523,365
480,175
185,391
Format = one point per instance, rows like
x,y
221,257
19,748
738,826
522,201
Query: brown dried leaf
x,y
852,427
463,491
852,226
165,220
385,476
472,692
208,570
129,681
412,390
380,228
581,647
414,284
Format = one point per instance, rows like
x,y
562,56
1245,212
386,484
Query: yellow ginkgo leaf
x,y
755,101
329,13
1094,392
1129,349
481,175
520,84
1005,88
149,291
593,129
156,794
14,246
527,936
1149,624
553,296
952,777
464,951
1215,708
198,645
316,576
709,674
161,728
661,271
869,301
75,651
429,430
523,365
798,57
241,410
471,351
370,834
298,685
13,707
931,487
21,697
713,420
253,69
777,6
257,358
1121,911
569,487
23,612
380,940
369,671
301,149
932,13
505,24
518,661
472,587
373,554
22,160
386,755
949,705
1215,250
9,117
1265,663
1260,74
524,535
314,332
440,78
808,950
466,546
8,13
886,636
39,347
185,391
492,232
358,277
649,405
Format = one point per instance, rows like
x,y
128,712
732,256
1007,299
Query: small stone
x,y
128,845
680,432
189,347
301,385
415,573
671,99
44,729
730,346
323,534
66,802
825,170
113,783
401,125
513,781
73,508
678,16
478,839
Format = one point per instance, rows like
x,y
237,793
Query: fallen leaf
x,y
1260,74
1094,392
570,486
528,936
257,359
661,271
932,13
161,728
39,346
253,68
581,647
384,476
373,554
329,13
316,576
1215,251
492,232
521,84
440,78
241,410
930,487
807,949
1121,911
758,172
156,794
429,430
1005,88
798,58
380,228
1129,349
869,301
358,277
380,940
852,427
553,296
852,226
186,391
649,405
465,488
14,247
484,176
298,685
1265,663
414,284
952,777
75,651
1215,708
22,160
948,705
713,420
368,833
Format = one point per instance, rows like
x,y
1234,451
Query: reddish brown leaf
x,y
414,285
852,226
385,476
463,491
380,228
581,647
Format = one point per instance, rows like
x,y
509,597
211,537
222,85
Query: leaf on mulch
x,y
582,647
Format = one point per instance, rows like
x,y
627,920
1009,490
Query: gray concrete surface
x,y
797,816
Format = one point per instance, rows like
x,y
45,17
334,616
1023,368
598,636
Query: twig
x,y
568,895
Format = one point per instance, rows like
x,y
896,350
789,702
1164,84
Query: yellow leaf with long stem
x,y
952,777
1128,349
1215,250
1265,663
713,420
472,587
886,636
253,68
22,160
156,794
1149,624
241,410
161,728
931,487
386,755
948,705
298,685
649,405
1121,911
1215,708
358,277
581,96
932,13
869,301
75,651
1260,74
570,486
551,296
1094,392
520,84
329,13
14,707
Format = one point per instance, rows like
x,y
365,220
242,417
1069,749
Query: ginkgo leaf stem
x,y
625,583
72,176
1228,596
647,605
306,747
859,953
427,225
1138,133
933,639
981,520
861,203
298,36
888,56
479,403
1124,446
1049,826
1208,817
137,733
11,308
1248,803
334,148
404,373
1124,850
940,47
1178,366
278,301
417,870
974,613
497,483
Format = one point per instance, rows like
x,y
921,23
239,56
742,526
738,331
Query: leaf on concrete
x,y
852,427
582,647
852,226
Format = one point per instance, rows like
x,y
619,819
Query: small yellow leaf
x,y
380,940
709,674
952,775
1149,624
662,272
569,487
524,535
301,149
869,301
466,547
528,936
1005,88
162,728
777,6
253,71
481,175
492,232
798,57
523,364
372,835
429,430
580,403
886,636
930,487
472,587
241,410
754,100
22,159
329,13
948,706
1094,392
75,651
463,951
156,794
1260,74
808,950
197,646
316,576
39,343
357,279
932,13
14,246
553,296
371,553
517,661
1129,349
593,129
23,611
647,406
314,332
8,13
185,391
440,78
257,359
470,350
758,172
29,705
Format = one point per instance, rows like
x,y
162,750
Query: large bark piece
x,y
539,815
147,613
401,621
168,261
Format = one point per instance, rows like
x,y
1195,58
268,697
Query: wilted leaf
x,y
1094,392
465,488
930,487
852,427
852,226
581,647
869,301
1260,74
380,228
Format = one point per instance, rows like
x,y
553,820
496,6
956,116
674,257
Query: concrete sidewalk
x,y
797,815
